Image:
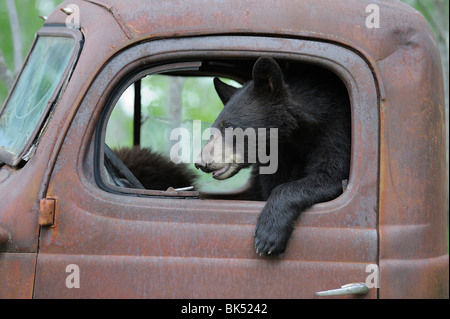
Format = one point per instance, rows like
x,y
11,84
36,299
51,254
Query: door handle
x,y
359,288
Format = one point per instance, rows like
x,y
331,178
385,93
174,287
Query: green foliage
x,y
428,9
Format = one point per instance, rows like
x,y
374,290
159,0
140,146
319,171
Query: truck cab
x,y
68,230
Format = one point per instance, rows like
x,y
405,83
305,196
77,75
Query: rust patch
x,y
47,212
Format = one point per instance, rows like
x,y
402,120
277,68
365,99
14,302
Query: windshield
x,y
26,107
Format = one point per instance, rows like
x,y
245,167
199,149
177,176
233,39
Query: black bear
x,y
153,170
311,111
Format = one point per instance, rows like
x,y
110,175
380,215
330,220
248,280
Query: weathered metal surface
x,y
19,206
17,273
392,213
163,277
413,215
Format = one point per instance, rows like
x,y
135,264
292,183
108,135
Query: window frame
x,y
360,92
29,148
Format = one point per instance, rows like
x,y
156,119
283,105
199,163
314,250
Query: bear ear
x,y
224,90
267,76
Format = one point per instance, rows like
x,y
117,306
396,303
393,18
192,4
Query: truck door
x,y
107,241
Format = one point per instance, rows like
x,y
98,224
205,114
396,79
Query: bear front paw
x,y
270,240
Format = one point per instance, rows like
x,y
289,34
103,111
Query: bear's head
x,y
247,122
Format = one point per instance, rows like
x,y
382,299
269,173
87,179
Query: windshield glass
x,y
24,109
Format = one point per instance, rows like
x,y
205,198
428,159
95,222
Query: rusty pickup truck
x,y
69,229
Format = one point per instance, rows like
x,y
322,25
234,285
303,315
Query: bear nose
x,y
200,165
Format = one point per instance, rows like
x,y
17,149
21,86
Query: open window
x,y
157,122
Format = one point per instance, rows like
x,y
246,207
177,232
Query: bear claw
x,y
268,244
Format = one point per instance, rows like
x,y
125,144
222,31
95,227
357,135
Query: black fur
x,y
311,109
155,171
